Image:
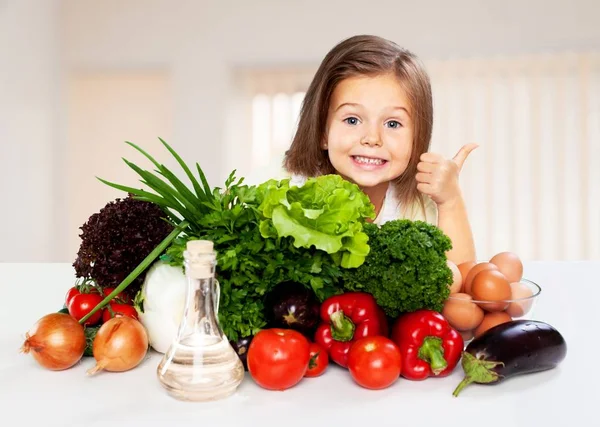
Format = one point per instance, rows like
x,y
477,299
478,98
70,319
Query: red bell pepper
x,y
345,319
428,344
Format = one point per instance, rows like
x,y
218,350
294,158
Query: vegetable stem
x,y
477,371
432,352
138,270
342,328
465,382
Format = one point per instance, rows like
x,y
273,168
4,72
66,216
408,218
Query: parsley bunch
x,y
406,269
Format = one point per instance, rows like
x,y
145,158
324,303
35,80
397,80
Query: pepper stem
x,y
432,352
312,362
342,328
477,371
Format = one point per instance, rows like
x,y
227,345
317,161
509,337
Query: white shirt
x,y
391,208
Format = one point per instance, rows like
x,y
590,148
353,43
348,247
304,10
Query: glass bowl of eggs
x,y
487,293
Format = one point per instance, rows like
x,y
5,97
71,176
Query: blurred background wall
x,y
222,81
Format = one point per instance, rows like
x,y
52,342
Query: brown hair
x,y
362,55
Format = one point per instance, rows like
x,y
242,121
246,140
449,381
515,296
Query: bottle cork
x,y
199,247
199,266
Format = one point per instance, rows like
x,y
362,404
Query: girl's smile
x,y
368,163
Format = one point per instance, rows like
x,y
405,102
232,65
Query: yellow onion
x,y
56,341
120,344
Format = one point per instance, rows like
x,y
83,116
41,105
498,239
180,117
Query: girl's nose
x,y
372,139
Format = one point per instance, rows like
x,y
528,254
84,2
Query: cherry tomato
x,y
278,358
82,304
80,289
119,310
374,362
70,294
121,297
318,362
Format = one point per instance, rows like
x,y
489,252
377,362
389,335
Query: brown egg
x,y
466,335
509,264
462,313
519,308
456,284
473,271
464,269
491,285
490,320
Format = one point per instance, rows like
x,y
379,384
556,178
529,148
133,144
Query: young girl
x,y
367,116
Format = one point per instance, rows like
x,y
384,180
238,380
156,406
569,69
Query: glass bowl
x,y
473,317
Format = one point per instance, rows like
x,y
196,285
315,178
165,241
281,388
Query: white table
x,y
31,395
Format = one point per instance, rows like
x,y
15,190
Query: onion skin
x,y
56,341
120,345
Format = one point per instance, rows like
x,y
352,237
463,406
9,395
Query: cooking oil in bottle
x,y
200,365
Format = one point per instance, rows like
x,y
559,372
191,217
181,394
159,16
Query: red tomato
x,y
70,294
82,289
318,362
121,297
119,310
278,358
82,304
374,362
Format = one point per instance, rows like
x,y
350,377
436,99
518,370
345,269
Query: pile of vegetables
x,y
421,345
316,236
313,238
304,279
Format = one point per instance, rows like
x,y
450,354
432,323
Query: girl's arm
x,y
453,220
438,178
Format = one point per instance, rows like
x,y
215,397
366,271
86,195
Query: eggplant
x,y
513,348
241,348
292,305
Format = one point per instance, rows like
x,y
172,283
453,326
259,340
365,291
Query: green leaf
x,y
148,156
191,200
199,193
184,194
137,192
169,193
207,188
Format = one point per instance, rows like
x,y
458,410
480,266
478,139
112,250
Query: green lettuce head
x,y
327,212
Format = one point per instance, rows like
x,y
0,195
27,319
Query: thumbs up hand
x,y
437,177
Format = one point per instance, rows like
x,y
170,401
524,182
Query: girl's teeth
x,y
368,161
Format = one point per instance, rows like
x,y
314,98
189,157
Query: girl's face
x,y
369,130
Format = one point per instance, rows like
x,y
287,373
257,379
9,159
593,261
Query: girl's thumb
x,y
463,153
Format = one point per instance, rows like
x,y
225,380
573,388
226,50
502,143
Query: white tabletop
x,y
31,395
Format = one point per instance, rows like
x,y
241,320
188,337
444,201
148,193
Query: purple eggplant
x,y
510,349
241,348
292,305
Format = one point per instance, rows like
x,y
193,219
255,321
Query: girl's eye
x,y
394,124
351,121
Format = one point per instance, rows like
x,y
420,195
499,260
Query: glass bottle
x,y
200,364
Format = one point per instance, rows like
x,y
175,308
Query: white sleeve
x,y
431,211
416,213
297,180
